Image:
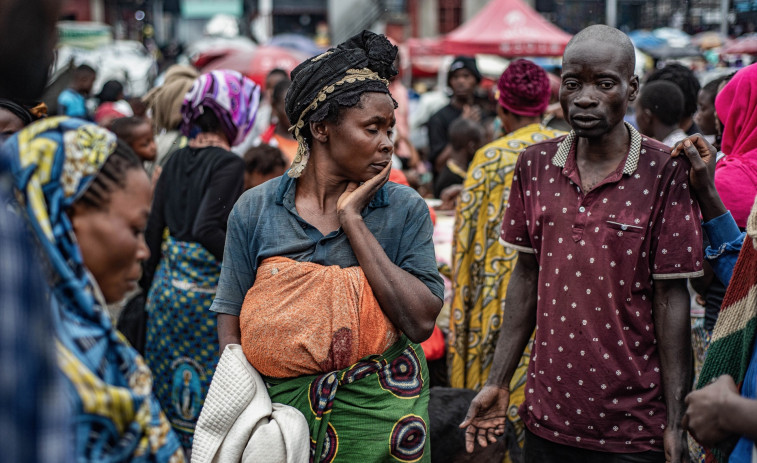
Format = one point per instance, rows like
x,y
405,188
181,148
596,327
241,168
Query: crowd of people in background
x,y
225,271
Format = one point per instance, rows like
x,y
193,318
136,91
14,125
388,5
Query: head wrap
x,y
338,77
165,101
524,89
28,113
53,162
736,107
464,62
231,96
736,173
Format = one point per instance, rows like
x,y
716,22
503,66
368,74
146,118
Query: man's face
x,y
463,83
597,85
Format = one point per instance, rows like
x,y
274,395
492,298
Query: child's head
x,y
137,133
466,136
83,79
262,163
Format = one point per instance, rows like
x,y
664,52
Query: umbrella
x,y
746,45
256,64
709,39
668,52
673,37
644,39
296,42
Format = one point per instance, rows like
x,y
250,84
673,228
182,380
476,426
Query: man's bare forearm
x,y
673,331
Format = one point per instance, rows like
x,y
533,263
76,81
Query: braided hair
x,y
111,176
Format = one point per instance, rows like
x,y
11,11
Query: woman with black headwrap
x,y
15,115
329,278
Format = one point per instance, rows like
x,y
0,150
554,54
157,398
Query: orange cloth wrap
x,y
301,318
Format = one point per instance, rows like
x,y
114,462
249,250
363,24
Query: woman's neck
x,y
319,188
206,139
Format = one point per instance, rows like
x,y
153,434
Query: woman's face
x,y
705,115
361,143
112,239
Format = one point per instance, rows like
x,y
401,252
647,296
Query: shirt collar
x,y
632,160
288,187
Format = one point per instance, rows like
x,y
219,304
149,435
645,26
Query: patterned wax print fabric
x,y
182,342
595,372
232,97
116,417
482,266
373,411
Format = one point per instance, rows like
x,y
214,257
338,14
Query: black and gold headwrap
x,y
338,77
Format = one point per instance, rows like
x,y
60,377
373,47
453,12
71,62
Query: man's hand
x,y
356,197
703,416
702,156
487,416
674,442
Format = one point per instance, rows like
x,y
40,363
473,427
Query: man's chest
x,y
611,222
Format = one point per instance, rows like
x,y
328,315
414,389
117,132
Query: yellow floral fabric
x,y
481,266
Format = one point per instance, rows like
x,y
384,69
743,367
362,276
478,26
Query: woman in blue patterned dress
x,y
186,234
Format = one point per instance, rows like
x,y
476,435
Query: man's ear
x,y
319,131
634,86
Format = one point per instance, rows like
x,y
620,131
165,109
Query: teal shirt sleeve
x,y
237,273
416,248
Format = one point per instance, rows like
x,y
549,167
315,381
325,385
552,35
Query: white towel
x,y
238,422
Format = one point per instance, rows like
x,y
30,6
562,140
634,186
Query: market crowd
x,y
223,271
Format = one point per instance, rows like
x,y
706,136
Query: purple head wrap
x,y
231,96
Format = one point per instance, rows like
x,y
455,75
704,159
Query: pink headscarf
x,y
736,173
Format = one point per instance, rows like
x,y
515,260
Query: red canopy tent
x,y
508,28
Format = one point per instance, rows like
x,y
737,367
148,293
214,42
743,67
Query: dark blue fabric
x,y
725,245
33,411
265,223
743,451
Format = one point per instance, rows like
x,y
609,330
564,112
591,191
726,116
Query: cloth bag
x,y
238,422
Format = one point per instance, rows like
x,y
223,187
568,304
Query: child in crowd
x,y
137,133
262,163
465,137
73,100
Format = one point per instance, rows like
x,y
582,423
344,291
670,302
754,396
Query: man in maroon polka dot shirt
x,y
608,234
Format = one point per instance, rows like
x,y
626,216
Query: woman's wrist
x,y
710,204
349,219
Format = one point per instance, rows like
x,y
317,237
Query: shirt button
x,y
581,209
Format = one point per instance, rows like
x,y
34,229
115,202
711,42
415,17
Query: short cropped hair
x,y
664,99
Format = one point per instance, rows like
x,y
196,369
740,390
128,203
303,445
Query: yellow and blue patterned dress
x,y
481,267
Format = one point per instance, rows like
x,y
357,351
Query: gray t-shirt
x,y
264,223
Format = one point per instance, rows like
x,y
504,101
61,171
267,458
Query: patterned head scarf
x,y
53,162
338,77
232,97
